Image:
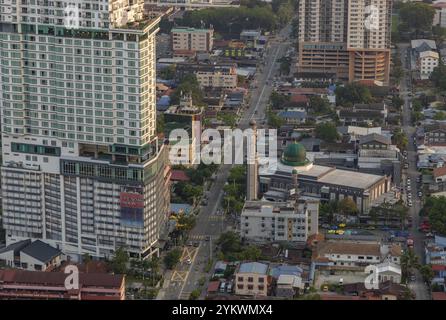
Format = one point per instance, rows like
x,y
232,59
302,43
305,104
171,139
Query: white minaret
x,y
253,164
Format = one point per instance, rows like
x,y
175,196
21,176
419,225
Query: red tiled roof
x,y
438,172
438,295
179,175
185,52
439,5
213,286
329,296
58,278
299,98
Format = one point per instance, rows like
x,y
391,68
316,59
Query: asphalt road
x,y
211,222
418,286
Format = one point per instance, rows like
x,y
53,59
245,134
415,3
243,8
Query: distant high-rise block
x,y
346,39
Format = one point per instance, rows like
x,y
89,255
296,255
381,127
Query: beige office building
x,y
192,39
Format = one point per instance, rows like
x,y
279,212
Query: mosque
x,y
322,182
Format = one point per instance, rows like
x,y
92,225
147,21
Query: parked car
x,y
223,286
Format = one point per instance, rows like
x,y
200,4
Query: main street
x,y
418,286
211,222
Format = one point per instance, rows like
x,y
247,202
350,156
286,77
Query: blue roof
x,y
180,207
220,265
440,241
293,114
253,267
286,270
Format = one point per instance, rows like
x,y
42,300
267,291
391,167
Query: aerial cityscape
x,y
223,150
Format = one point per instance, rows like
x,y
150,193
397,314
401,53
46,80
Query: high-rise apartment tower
x,y
82,167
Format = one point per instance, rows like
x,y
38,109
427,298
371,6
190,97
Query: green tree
x,y
435,207
352,93
417,16
229,242
278,100
438,76
347,207
399,138
194,295
328,210
86,258
327,132
172,258
186,222
251,253
229,119
231,21
439,34
427,273
397,102
188,84
417,116
274,120
285,65
285,13
440,116
409,261
398,73
168,72
119,261
160,123
319,105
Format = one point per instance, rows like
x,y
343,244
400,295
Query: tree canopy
x,y
231,21
347,207
172,258
327,132
435,207
352,93
277,100
188,84
417,16
319,105
119,261
438,76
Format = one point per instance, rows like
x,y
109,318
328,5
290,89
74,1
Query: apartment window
x,y
250,287
261,280
240,279
250,279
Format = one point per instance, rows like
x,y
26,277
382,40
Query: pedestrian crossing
x,y
197,237
184,295
216,218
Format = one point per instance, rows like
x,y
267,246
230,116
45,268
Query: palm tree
x,y
409,261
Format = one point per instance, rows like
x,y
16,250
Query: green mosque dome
x,y
295,155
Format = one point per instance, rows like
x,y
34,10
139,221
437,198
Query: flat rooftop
x,y
351,179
